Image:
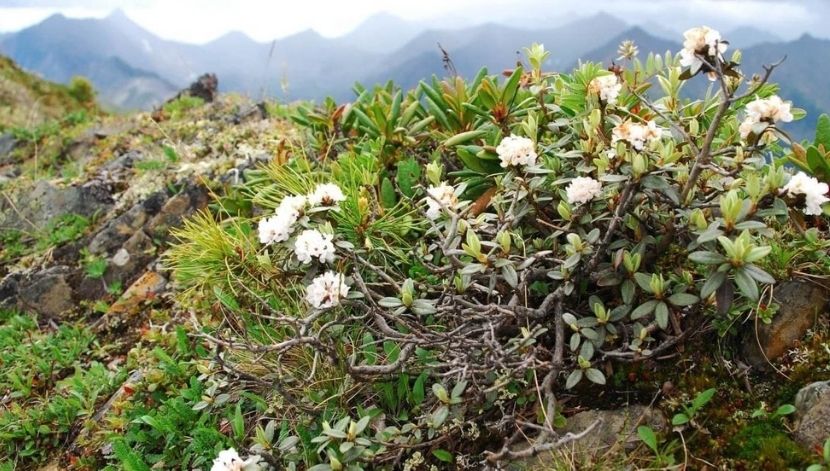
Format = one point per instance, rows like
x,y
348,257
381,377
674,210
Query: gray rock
x,y
618,425
7,145
809,395
813,415
800,304
47,292
175,210
46,201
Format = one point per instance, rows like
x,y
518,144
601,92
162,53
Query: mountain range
x,y
134,69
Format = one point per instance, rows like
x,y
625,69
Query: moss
x,y
765,445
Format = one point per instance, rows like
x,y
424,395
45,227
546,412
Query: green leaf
x,y
683,299
785,409
648,437
388,197
661,315
823,131
746,284
511,86
464,137
712,284
440,392
680,419
644,280
595,376
706,257
627,291
418,389
409,172
758,274
703,398
644,309
238,422
573,379
443,455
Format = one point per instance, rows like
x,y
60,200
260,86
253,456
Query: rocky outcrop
x,y
35,209
800,303
812,405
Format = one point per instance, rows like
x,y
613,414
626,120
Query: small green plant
x,y
179,107
62,229
779,413
824,464
94,266
690,410
664,456
81,89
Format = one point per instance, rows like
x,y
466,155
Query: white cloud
x,y
202,20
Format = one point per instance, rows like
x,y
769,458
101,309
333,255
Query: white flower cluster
x,y
516,151
767,110
327,194
607,87
442,194
636,134
699,42
327,290
313,243
582,189
229,460
814,191
280,226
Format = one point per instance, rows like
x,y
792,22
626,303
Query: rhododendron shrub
x,y
466,251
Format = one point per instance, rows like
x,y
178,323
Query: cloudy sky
x,y
198,21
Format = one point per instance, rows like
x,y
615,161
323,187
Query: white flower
x,y
636,134
516,151
772,109
326,290
701,41
292,207
279,227
812,189
442,194
276,228
229,460
312,243
767,110
746,127
582,189
326,194
607,87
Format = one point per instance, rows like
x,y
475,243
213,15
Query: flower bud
x,y
434,173
408,292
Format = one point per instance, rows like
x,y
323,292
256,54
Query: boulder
x,y
618,425
800,304
7,145
45,202
47,292
813,415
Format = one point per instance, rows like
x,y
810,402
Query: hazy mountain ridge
x,y
132,68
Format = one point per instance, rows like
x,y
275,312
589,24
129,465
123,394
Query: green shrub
x,y
81,89
439,259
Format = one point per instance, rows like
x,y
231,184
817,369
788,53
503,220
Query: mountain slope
x,y
27,101
494,46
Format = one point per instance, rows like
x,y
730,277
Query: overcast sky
x,y
198,21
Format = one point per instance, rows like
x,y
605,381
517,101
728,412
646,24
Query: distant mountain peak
x,y
118,14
